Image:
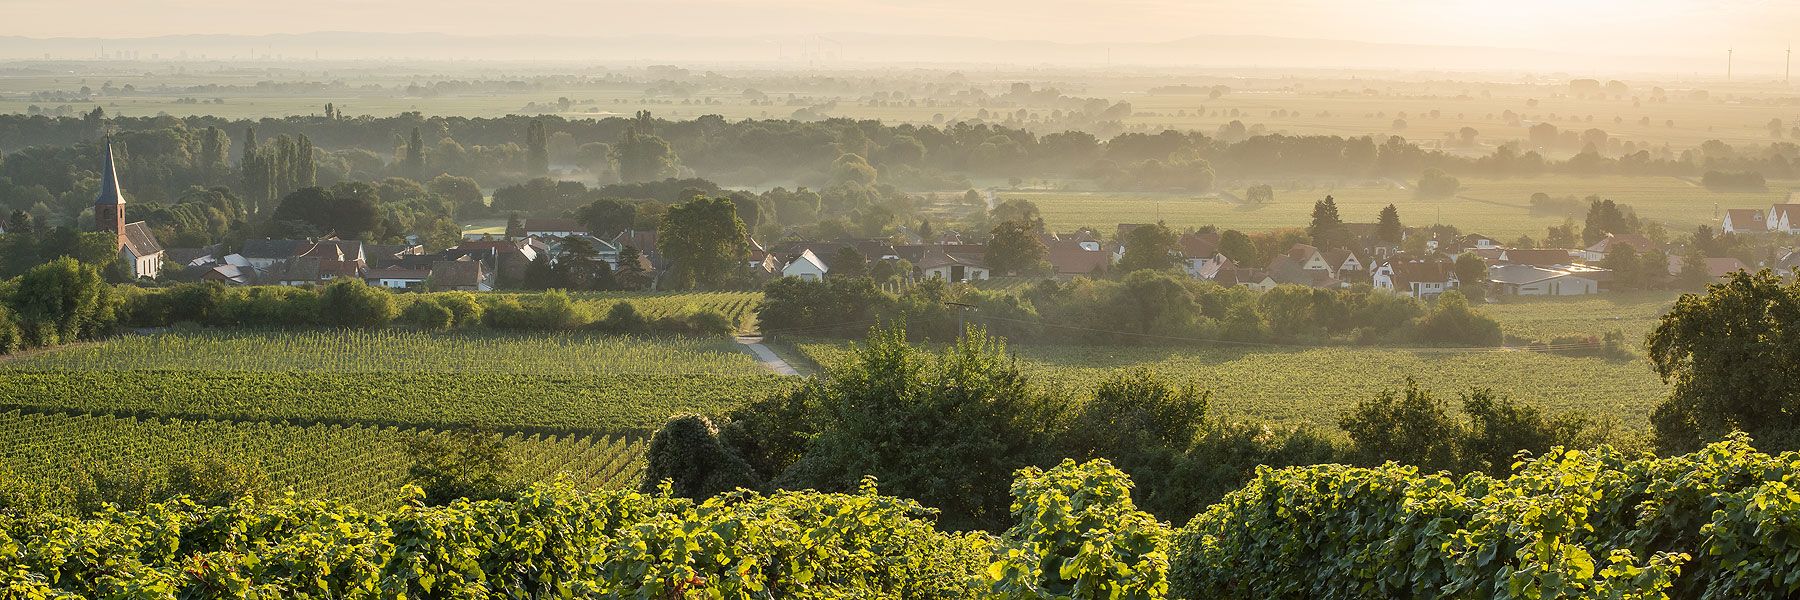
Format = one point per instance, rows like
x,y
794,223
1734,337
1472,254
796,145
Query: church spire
x,y
109,179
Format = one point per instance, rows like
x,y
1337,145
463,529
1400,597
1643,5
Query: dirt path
x,y
766,356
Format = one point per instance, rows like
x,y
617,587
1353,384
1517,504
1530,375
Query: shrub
x,y
1452,322
686,454
1076,534
623,318
426,313
351,303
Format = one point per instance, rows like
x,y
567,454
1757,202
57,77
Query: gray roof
x,y
109,179
267,248
140,241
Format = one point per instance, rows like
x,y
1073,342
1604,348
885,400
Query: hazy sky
x,y
1638,27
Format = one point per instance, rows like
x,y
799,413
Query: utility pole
x,y
1728,52
962,312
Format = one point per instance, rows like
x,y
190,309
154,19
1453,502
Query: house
x,y
1720,268
806,266
1201,252
1638,242
1745,220
1539,257
228,274
506,259
1344,262
137,246
311,270
1285,270
952,267
1475,241
1308,258
1519,279
1071,258
398,278
1787,263
463,275
383,255
1422,279
193,257
549,228
645,243
1784,218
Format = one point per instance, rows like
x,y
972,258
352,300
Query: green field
x,y
1319,385
1494,207
362,466
549,383
1633,314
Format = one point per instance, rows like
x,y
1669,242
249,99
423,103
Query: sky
x,y
1624,27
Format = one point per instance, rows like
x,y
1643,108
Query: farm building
x,y
1532,280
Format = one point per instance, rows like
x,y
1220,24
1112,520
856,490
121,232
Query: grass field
x,y
1319,385
1494,207
1633,314
548,383
363,466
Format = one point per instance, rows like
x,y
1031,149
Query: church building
x,y
137,246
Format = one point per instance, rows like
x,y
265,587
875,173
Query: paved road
x,y
766,356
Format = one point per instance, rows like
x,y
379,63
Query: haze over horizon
x,y
1688,35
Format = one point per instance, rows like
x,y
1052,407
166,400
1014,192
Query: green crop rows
x,y
1319,385
361,466
546,383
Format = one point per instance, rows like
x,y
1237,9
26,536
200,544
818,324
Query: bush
x,y
426,313
1718,523
623,319
351,303
467,463
1452,322
465,309
1076,534
549,310
696,323
687,455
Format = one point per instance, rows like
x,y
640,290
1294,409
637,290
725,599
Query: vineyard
x,y
1318,385
1723,522
740,307
1633,314
552,383
359,466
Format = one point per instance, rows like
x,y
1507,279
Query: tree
x,y
644,157
630,274
704,242
1435,183
1237,246
62,301
466,463
537,150
414,165
1471,275
348,209
1327,228
847,262
1259,194
351,303
1732,360
1151,246
1628,271
607,217
1016,249
1387,226
1452,322
305,173
1412,426
1142,424
1017,209
1561,236
462,193
687,454
946,430
1606,217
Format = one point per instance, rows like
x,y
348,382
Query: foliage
x,y
1452,322
687,456
62,301
1567,524
1017,249
705,240
945,430
1153,246
468,463
1730,357
1077,535
352,303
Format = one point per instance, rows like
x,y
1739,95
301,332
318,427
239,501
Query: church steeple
x,y
109,205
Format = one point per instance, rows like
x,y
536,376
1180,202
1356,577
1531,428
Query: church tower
x,y
109,206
